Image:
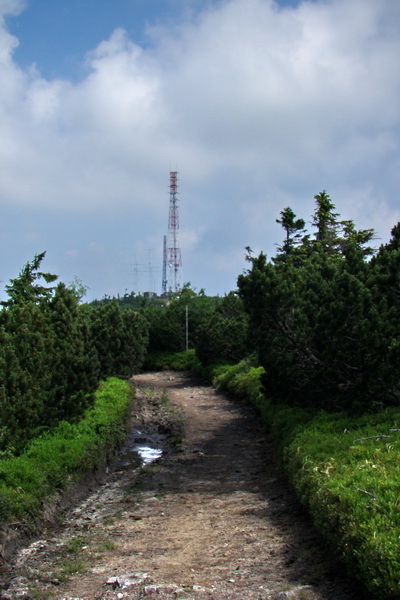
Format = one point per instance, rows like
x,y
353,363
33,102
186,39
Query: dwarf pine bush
x,y
60,457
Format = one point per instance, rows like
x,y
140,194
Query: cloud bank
x,y
258,107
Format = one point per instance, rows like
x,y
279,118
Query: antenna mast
x,y
164,269
174,252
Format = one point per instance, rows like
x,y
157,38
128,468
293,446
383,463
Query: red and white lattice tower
x,y
174,258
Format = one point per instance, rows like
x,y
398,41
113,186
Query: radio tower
x,y
164,269
174,252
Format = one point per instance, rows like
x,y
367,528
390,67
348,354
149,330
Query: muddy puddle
x,y
140,449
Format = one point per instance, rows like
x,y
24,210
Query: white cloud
x,y
257,106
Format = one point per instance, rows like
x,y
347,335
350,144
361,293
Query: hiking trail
x,y
212,519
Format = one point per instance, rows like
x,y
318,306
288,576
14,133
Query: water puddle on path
x,y
140,449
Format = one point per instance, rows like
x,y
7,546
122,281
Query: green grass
x,y
75,545
174,361
242,380
70,567
61,457
345,470
348,477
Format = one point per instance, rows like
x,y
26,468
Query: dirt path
x,y
213,519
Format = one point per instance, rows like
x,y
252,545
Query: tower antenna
x,y
164,268
174,252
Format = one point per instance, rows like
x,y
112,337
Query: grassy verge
x,y
175,361
345,470
58,459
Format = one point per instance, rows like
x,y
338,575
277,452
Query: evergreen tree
x,y
27,287
119,338
223,336
74,376
45,375
325,221
316,323
294,234
25,378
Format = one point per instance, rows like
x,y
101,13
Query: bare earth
x,y
213,519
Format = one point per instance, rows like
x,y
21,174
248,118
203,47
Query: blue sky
x,y
259,105
55,35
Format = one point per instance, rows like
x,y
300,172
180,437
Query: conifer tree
x,y
321,330
27,287
325,221
223,336
294,233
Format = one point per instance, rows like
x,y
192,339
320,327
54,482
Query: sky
x,y
258,104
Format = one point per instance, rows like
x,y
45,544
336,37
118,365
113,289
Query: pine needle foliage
x,y
54,352
324,315
58,458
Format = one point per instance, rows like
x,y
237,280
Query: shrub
x,y
59,458
175,361
344,469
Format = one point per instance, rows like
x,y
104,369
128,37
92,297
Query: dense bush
x,y
217,328
166,328
57,459
324,319
119,337
175,361
53,353
174,323
223,335
45,374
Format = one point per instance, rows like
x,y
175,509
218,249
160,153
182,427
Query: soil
x,y
212,519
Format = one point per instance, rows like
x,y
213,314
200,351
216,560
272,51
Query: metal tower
x,y
174,252
164,268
